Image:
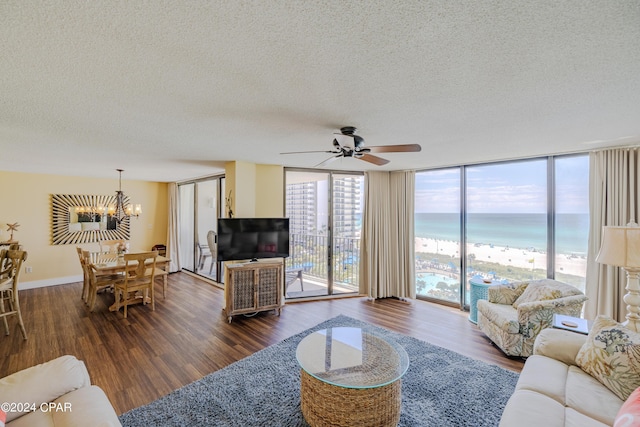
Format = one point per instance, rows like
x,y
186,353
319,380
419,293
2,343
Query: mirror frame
x,y
60,220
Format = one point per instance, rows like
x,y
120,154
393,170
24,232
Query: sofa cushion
x,y
90,406
573,418
545,289
546,376
502,316
629,414
529,408
587,396
611,354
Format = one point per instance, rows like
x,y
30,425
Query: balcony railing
x,y
309,252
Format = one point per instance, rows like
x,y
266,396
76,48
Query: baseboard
x,y
50,282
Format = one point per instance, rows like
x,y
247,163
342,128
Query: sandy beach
x,y
516,257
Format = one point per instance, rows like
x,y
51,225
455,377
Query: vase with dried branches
x,y
228,203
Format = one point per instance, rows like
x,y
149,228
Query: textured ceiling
x,y
172,90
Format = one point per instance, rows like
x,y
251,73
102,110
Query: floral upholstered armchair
x,y
515,313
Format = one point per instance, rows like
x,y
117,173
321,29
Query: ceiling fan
x,y
359,151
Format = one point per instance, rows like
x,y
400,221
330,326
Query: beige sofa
x,y
55,393
553,391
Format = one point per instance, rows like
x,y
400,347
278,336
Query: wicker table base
x,y
329,405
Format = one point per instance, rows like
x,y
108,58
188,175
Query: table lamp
x,y
621,247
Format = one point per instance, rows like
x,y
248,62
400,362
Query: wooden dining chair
x,y
96,282
85,277
10,267
139,277
161,273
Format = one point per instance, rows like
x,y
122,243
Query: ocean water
x,y
513,230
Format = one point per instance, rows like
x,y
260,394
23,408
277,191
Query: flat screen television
x,y
252,238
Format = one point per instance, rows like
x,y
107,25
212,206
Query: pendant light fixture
x,y
123,210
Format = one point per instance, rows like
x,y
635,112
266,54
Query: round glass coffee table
x,y
350,377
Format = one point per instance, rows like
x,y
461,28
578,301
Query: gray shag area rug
x,y
441,388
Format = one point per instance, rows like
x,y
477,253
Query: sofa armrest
x,y
559,344
535,316
43,383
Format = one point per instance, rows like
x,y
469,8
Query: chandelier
x,y
123,210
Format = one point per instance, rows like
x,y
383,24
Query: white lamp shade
x,y
620,246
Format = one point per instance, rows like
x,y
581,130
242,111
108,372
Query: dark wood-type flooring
x,y
141,358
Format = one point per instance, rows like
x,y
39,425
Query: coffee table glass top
x,y
352,358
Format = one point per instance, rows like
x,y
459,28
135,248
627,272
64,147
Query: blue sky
x,y
510,187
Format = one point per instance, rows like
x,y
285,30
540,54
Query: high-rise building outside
x,y
306,204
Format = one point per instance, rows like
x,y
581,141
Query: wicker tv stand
x,y
251,287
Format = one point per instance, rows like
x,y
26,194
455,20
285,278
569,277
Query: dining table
x,y
112,263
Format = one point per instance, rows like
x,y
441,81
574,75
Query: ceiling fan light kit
x,y
359,151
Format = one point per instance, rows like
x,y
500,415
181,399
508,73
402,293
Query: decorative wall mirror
x,y
79,218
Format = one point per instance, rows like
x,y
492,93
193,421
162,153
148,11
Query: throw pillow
x,y
629,413
506,293
3,418
611,355
538,291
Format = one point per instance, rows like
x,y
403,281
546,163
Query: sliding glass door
x,y
206,220
325,214
199,211
347,204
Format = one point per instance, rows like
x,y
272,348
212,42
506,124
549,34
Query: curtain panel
x,y
613,192
387,250
173,229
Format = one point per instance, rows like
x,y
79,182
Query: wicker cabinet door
x,y
268,286
243,289
253,287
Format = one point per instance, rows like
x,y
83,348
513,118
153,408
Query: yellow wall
x,y
269,191
245,190
26,199
257,190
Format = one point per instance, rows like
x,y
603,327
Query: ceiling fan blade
x,y
329,160
373,159
305,152
402,148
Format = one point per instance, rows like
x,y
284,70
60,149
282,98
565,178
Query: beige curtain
x,y
173,227
613,192
387,249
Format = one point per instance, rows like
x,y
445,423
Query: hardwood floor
x,y
141,358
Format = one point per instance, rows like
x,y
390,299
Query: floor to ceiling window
x,y
507,221
325,214
437,234
571,219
